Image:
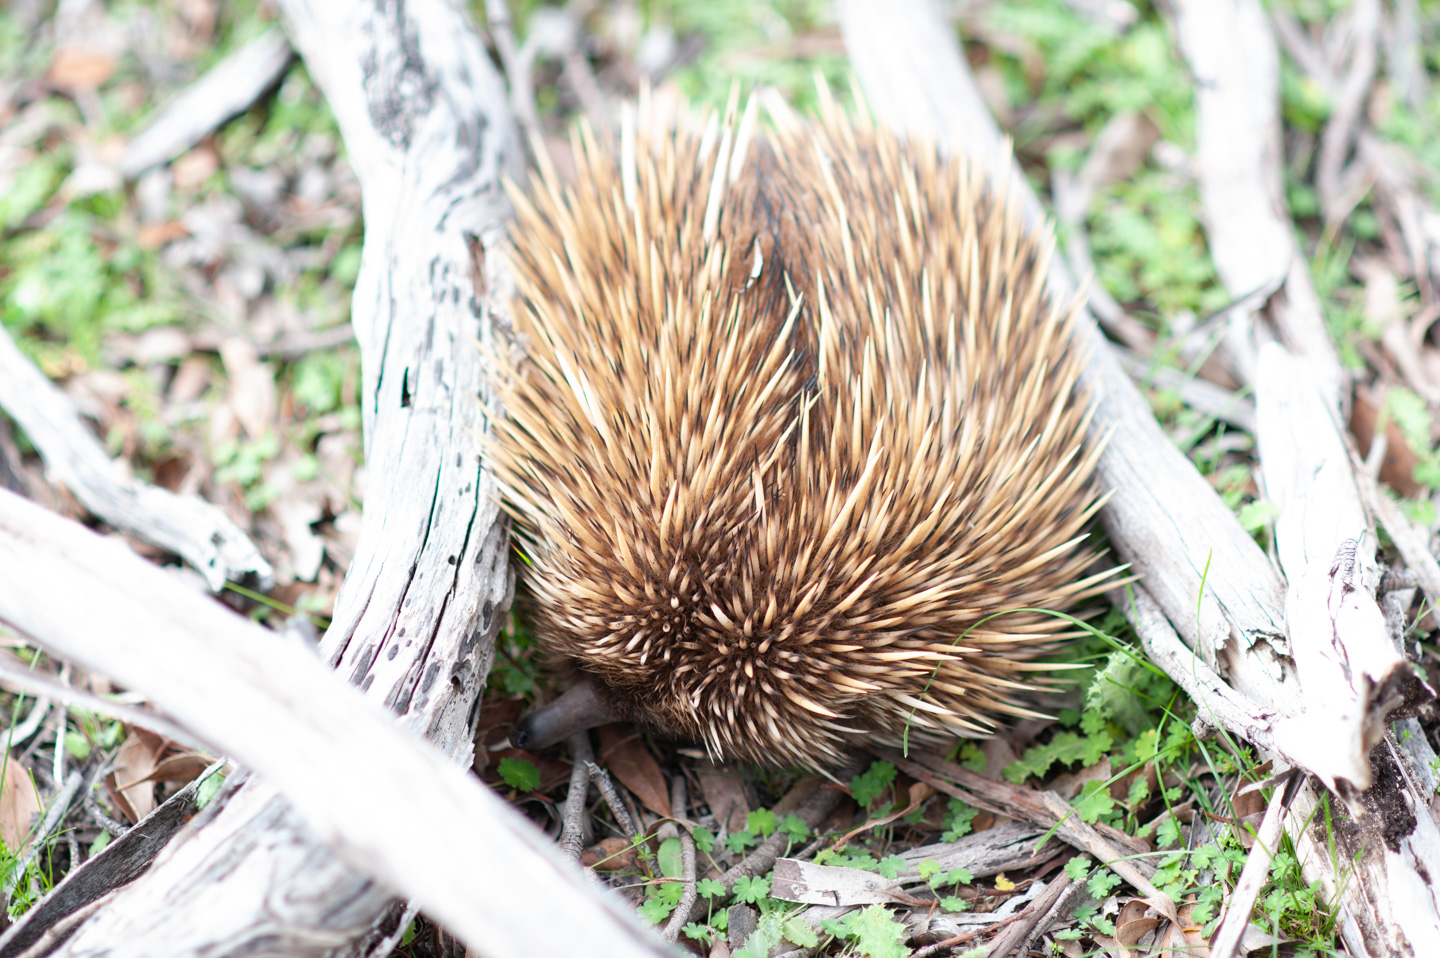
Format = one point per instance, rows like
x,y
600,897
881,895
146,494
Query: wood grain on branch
x,y
458,850
1349,671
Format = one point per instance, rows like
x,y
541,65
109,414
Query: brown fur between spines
x,y
793,424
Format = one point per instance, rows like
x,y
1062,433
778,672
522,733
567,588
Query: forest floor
x,y
196,312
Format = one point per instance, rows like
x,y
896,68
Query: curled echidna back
x,y
796,425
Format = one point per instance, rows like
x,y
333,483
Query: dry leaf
x,y
611,855
919,792
1112,947
726,798
1398,467
152,236
19,804
297,507
195,167
191,380
1134,922
183,768
134,765
1187,937
252,386
624,755
76,69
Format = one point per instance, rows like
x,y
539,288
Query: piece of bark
x,y
1352,676
115,865
418,824
1199,394
1049,906
228,88
188,526
1009,846
813,884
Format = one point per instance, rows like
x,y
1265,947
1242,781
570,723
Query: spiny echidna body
x,y
797,422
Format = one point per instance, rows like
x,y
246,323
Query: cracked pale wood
x,y
387,804
1352,676
1240,165
190,527
429,134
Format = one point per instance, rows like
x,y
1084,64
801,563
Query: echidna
x,y
798,433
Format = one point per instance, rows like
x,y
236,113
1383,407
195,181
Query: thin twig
x,y
98,816
1226,941
582,77
228,89
602,781
15,674
192,528
1301,49
572,832
681,914
62,721
22,732
1348,106
517,71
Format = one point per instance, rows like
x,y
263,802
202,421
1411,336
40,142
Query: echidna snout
x,y
799,442
580,707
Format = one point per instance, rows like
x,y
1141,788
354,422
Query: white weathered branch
x,y
428,131
1350,674
419,824
190,527
228,88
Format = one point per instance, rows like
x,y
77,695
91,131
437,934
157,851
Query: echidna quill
x,y
797,434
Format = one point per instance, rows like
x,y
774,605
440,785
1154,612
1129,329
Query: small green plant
x,y
937,878
873,931
519,774
867,787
